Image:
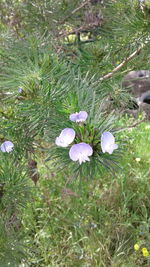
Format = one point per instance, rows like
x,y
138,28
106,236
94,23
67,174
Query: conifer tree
x,y
60,58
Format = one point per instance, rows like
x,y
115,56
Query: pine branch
x,y
75,10
131,126
122,64
78,8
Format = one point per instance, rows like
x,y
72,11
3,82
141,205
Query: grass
x,y
96,222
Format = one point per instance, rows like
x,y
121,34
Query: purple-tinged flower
x,y
79,116
80,152
7,146
108,143
65,138
20,90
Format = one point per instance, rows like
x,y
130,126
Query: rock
x,y
138,83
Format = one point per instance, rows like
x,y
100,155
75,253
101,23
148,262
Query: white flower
x,y
7,146
79,116
138,159
80,152
108,143
65,138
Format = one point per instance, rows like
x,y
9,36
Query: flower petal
x,y
73,116
68,134
80,152
66,137
108,143
7,146
82,116
107,137
79,116
60,142
20,90
111,148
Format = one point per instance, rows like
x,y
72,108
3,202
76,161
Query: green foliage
x,y
15,192
92,223
51,90
46,76
11,246
14,184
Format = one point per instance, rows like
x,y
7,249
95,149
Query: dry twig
x,y
125,61
131,126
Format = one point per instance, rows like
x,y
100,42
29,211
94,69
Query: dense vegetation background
x,y
57,58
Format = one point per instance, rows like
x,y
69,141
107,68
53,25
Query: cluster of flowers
x,y
82,151
78,152
144,250
7,146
